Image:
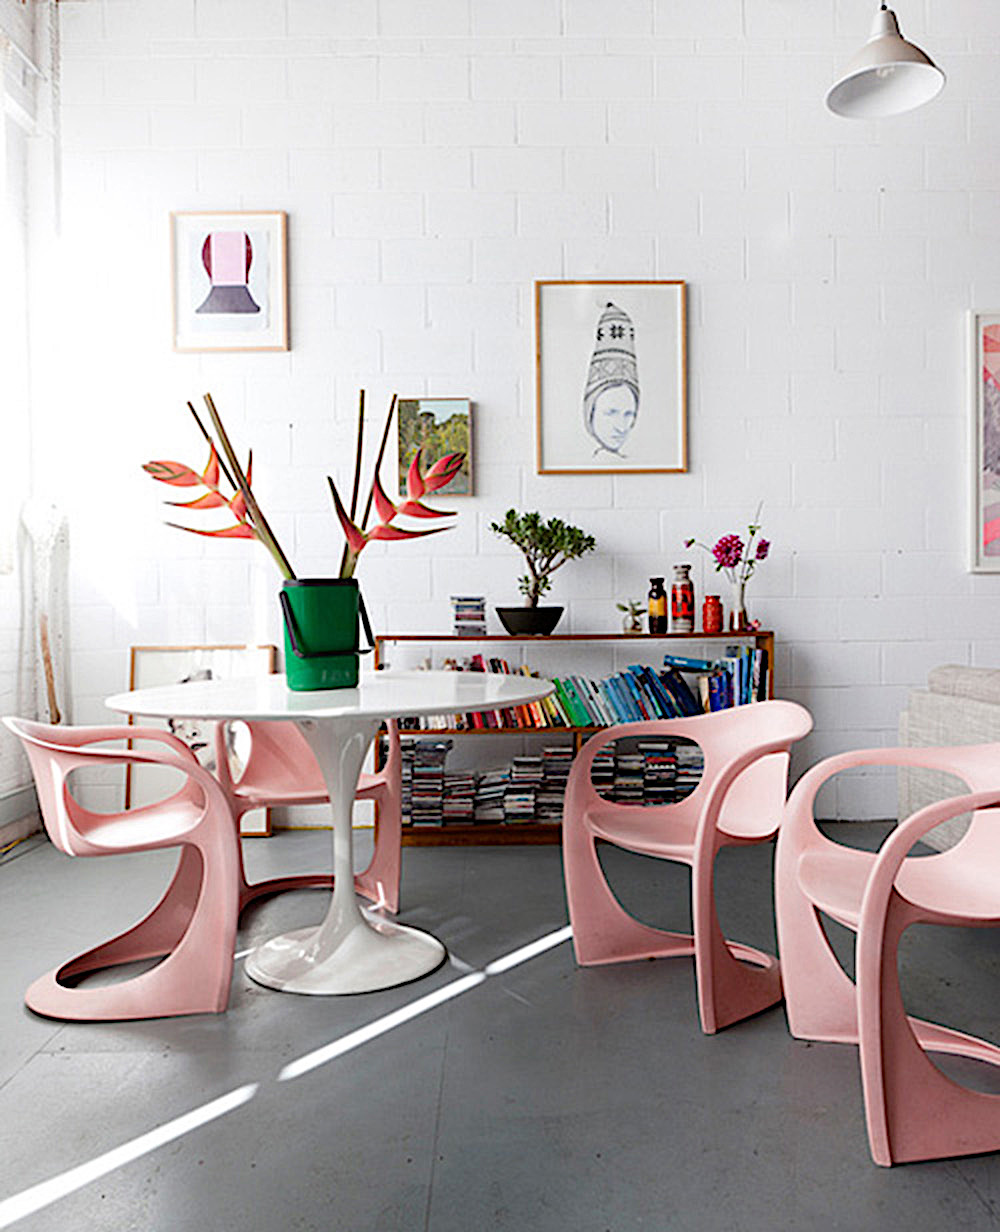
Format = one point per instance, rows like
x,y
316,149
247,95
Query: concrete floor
x,y
547,1099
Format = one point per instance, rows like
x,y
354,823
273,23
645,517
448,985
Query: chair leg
x,y
195,975
819,997
381,879
912,1110
735,981
250,891
603,932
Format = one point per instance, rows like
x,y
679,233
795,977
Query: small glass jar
x,y
657,606
711,614
682,601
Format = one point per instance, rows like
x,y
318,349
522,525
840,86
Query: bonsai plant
x,y
546,547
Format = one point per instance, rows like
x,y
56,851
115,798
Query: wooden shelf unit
x,y
483,833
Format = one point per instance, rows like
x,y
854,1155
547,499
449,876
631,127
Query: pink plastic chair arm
x,y
184,761
897,846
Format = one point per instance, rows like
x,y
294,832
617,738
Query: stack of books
x,y
469,615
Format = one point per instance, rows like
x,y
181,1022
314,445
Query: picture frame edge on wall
x,y
281,333
682,388
447,492
271,653
976,561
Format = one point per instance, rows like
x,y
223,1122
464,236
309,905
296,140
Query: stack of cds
x,y
469,612
427,781
602,772
491,788
525,782
659,771
556,761
690,766
628,779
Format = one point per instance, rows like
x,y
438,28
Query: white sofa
x,y
961,705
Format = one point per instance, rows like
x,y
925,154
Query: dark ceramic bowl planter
x,y
535,620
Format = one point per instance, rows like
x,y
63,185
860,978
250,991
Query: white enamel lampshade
x,y
887,77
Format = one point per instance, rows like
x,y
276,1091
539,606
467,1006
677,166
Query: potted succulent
x,y
546,547
320,614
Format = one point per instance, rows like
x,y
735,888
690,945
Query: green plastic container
x,y
321,633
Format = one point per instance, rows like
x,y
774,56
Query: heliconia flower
x,y
416,509
384,507
443,471
763,547
240,531
394,532
728,552
415,486
211,500
355,538
175,473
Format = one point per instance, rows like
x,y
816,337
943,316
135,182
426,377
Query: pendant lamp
x,y
887,77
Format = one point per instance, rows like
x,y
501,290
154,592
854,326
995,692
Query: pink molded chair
x,y
193,926
282,771
912,1110
738,801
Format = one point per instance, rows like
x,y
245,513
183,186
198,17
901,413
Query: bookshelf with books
x,y
601,679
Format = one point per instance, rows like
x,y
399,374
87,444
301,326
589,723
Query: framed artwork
x,y
611,377
229,280
155,665
984,449
438,426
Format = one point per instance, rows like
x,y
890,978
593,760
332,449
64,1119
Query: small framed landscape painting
x,y
438,426
155,665
611,377
229,281
984,445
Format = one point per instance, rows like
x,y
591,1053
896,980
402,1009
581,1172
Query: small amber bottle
x,y
657,606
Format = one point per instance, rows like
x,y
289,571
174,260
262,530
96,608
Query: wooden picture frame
x,y
611,377
229,280
984,442
155,665
438,426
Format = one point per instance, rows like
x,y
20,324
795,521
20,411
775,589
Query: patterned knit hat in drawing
x,y
613,360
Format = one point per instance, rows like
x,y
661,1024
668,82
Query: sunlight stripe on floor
x,y
529,951
372,1030
448,992
46,1192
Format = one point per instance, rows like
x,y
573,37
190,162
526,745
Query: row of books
x,y
533,787
636,694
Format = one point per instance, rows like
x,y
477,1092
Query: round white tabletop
x,y
350,951
380,695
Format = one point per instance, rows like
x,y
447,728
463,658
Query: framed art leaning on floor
x,y
611,377
156,665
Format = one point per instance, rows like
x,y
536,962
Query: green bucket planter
x,y
321,632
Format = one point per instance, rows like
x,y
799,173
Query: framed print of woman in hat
x,y
594,414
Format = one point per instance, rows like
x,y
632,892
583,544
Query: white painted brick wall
x,y
435,160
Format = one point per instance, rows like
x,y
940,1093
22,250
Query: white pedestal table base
x,y
351,951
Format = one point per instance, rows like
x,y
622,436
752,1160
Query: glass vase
x,y
739,621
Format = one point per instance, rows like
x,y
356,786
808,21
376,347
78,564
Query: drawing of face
x,y
613,416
